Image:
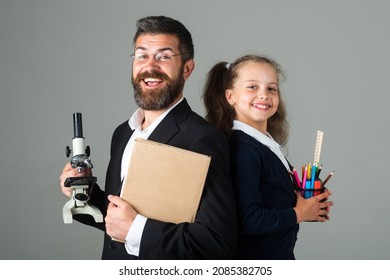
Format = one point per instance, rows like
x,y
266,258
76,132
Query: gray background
x,y
60,57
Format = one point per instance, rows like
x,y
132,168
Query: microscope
x,y
81,186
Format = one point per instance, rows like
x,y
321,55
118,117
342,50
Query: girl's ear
x,y
230,97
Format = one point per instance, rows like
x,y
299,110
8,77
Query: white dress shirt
x,y
133,238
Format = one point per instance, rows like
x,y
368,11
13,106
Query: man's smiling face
x,y
157,82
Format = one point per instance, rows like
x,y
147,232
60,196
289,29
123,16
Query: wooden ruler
x,y
318,146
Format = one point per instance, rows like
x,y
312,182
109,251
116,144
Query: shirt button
x,y
112,246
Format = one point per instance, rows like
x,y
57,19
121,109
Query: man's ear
x,y
188,68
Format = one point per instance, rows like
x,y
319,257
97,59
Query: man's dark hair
x,y
166,25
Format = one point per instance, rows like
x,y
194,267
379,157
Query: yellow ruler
x,y
318,147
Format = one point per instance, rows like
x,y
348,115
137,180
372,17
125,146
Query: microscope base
x,y
73,207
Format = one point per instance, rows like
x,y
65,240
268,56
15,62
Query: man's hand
x,y
69,171
119,218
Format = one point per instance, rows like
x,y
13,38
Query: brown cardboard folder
x,y
165,182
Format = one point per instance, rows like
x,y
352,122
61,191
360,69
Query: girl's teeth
x,y
260,106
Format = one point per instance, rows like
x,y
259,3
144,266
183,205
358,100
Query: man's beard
x,y
157,99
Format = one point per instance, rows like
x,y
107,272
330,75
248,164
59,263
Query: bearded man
x,y
163,59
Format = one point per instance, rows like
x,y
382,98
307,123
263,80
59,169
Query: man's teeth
x,y
147,80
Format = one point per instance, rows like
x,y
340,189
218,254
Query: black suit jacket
x,y
214,232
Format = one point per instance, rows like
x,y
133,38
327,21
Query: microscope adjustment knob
x,y
67,151
88,151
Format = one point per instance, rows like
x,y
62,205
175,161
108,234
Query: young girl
x,y
243,100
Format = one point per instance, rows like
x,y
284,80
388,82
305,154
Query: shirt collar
x,y
266,140
137,118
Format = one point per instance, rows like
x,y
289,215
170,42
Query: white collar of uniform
x,y
137,118
266,140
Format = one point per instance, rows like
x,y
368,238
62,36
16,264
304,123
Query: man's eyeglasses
x,y
158,57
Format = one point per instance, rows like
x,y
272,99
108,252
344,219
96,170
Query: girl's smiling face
x,y
255,94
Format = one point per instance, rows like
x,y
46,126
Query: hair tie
x,y
228,65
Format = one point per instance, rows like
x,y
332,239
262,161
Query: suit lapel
x,y
169,127
163,133
116,162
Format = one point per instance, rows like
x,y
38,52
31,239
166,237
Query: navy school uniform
x,y
265,198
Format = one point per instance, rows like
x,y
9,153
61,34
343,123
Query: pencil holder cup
x,y
311,188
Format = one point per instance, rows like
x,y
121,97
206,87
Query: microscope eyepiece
x,y
77,125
